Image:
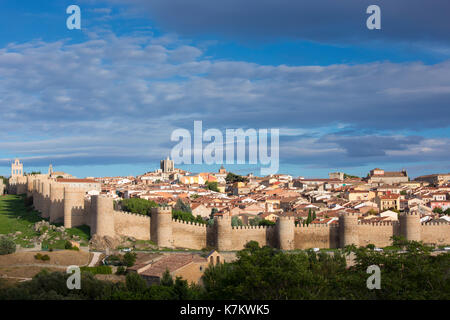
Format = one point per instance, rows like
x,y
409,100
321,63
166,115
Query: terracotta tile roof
x,y
172,262
76,180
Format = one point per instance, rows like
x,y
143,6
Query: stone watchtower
x,y
348,229
410,226
73,207
161,226
285,232
103,219
45,199
56,202
222,225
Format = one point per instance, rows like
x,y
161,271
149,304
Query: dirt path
x,y
95,258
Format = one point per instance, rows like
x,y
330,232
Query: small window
x,y
201,268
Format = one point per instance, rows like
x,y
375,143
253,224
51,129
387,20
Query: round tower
x,y
348,229
161,221
410,226
223,233
103,212
30,185
285,232
56,202
46,199
73,206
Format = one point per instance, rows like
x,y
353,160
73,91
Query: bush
x,y
7,246
39,256
97,270
129,259
68,245
121,270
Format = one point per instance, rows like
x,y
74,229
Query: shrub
x,y
129,259
97,270
68,245
121,270
38,256
45,258
7,246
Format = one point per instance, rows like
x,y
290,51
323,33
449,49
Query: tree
x,y
129,259
235,221
7,246
447,211
135,283
166,279
232,178
183,206
213,186
138,205
438,210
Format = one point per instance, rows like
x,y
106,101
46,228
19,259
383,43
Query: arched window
x,y
217,260
211,260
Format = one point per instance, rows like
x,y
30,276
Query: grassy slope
x,y
15,216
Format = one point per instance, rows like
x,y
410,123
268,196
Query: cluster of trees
x,y
213,186
258,221
271,274
183,211
128,259
232,178
138,205
311,217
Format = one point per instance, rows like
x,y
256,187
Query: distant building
x,y
379,176
435,179
387,202
16,169
85,184
167,165
336,175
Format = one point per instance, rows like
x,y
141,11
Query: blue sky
x,y
104,100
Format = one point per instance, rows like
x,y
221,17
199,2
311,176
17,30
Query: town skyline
x,y
105,99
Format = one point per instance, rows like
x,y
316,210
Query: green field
x,y
16,216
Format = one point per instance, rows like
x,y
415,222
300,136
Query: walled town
x,y
222,211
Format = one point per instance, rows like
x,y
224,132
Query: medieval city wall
x,y
264,235
70,206
378,233
189,235
436,233
316,236
131,225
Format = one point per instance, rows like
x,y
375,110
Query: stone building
x,y
16,169
167,165
379,176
